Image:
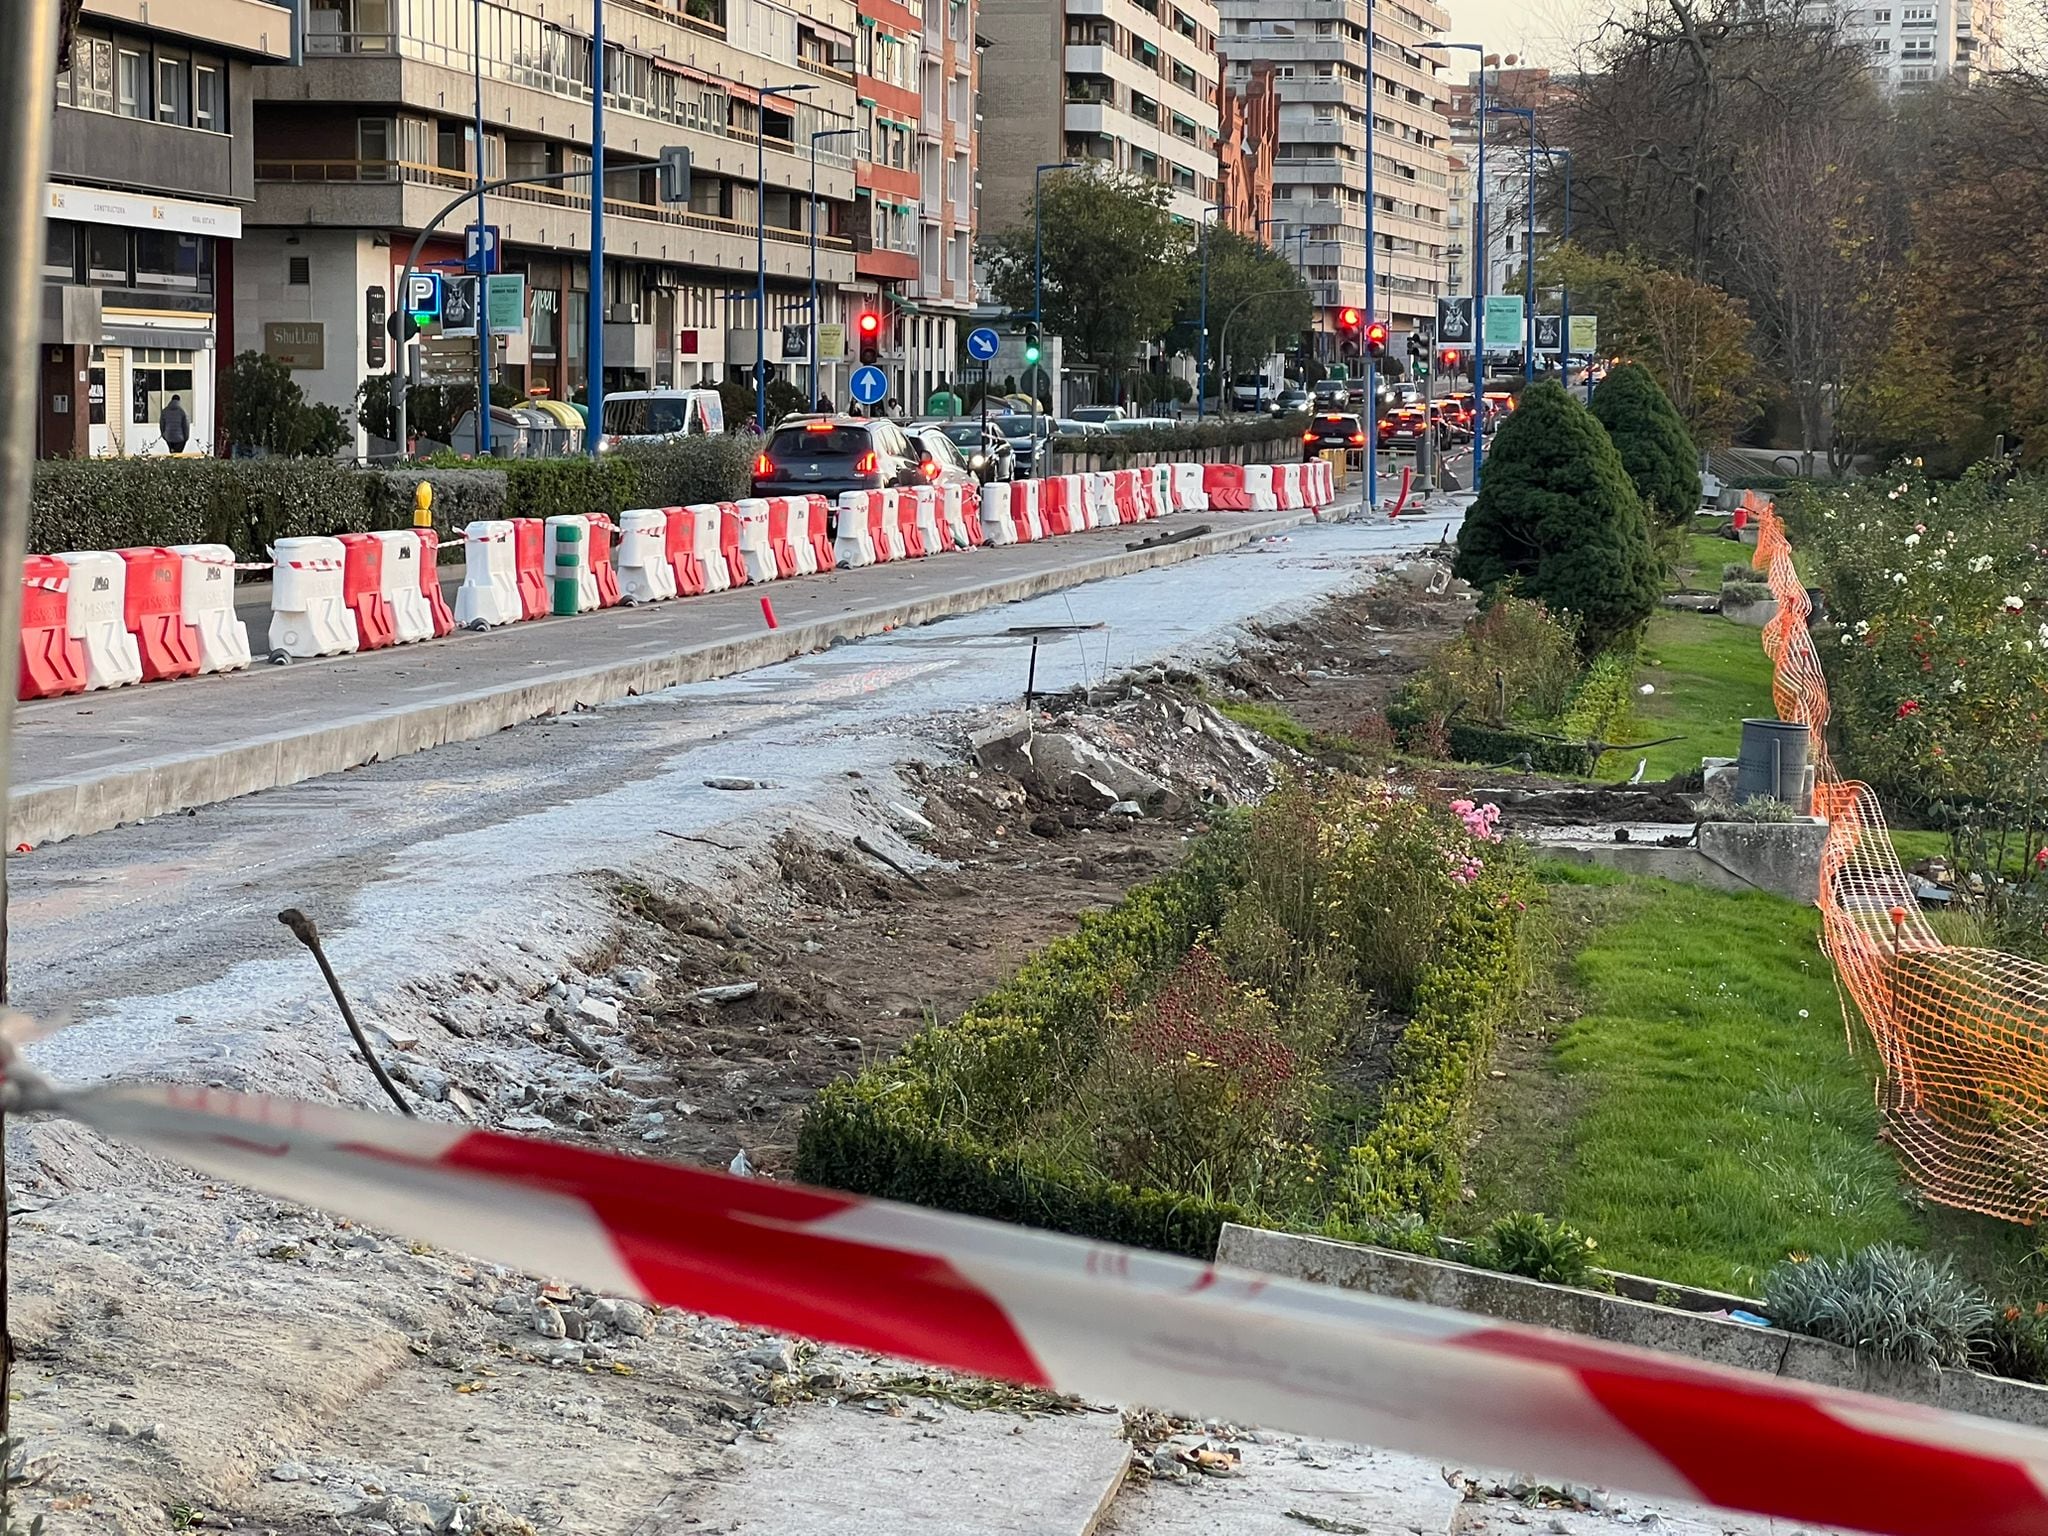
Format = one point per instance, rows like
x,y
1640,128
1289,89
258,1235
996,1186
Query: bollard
x,y
423,505
568,567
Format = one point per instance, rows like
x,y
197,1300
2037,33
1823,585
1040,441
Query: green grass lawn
x,y
1688,1100
1707,554
1708,673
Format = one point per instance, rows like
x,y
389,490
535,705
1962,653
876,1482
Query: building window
x,y
90,83
173,261
106,255
174,89
60,252
154,375
131,84
209,99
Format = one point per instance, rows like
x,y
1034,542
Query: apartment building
x,y
1130,85
367,141
1507,176
1914,45
914,196
152,171
1317,52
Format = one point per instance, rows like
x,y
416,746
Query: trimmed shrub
x,y
1887,1302
1558,516
690,470
1275,432
1527,1244
1655,450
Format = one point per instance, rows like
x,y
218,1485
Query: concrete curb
x,y
77,805
1621,1320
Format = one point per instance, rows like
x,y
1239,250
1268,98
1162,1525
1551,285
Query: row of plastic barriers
x,y
105,619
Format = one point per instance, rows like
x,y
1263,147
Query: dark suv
x,y
1332,429
831,454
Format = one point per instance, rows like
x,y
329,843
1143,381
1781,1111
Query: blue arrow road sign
x,y
982,344
869,385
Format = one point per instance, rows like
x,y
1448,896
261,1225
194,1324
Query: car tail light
x,y
1308,437
763,470
817,426
1358,437
868,464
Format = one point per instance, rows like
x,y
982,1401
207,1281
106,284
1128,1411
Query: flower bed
x,y
1205,1051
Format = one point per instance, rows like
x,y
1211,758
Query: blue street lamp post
x,y
1528,117
1300,261
1202,319
1564,292
483,263
593,341
1372,290
1478,268
761,249
822,133
1038,281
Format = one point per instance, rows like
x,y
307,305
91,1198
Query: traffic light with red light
x,y
1349,319
1376,339
869,325
1448,359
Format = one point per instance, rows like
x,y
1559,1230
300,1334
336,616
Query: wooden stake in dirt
x,y
303,930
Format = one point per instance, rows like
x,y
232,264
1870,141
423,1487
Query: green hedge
x,y
1182,437
897,1130
1409,1160
1469,741
900,1130
249,503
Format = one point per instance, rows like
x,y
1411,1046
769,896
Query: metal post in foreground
x,y
1372,287
1038,291
822,133
28,63
761,249
593,343
483,255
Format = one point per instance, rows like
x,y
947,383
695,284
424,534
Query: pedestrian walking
x,y
175,426
824,405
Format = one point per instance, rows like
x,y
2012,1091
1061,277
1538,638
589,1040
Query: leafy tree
x,y
1651,440
1557,516
1117,264
1691,336
1260,285
267,413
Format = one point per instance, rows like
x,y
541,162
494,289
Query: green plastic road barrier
x,y
568,567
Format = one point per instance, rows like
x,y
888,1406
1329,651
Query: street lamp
x,y
1372,287
1528,117
1564,291
1478,269
483,329
593,339
761,247
1202,320
822,133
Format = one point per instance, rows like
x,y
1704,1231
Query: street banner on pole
x,y
505,303
1549,333
1454,321
1585,335
458,306
831,342
1504,320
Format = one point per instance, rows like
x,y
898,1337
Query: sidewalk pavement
x,y
89,762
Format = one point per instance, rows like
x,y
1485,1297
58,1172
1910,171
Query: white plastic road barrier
x,y
489,594
892,525
855,544
1099,492
754,546
645,576
96,616
1034,518
399,580
925,498
206,603
998,523
953,511
705,520
307,614
569,557
1187,488
1162,490
800,546
1258,486
1326,475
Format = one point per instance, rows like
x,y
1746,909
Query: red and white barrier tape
x,y
1107,1322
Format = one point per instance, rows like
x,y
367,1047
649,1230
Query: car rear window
x,y
966,433
832,442
1336,423
658,416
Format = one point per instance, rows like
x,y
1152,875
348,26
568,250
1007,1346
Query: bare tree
x,y
67,28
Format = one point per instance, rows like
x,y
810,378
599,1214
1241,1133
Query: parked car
x,y
987,452
939,460
832,454
657,415
1023,444
1101,415
1327,430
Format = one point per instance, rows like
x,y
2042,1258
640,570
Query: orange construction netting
x,y
1962,1033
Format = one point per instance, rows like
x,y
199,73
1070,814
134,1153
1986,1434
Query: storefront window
x,y
154,375
173,261
544,324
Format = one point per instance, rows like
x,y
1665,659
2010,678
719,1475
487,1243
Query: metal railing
x,y
407,173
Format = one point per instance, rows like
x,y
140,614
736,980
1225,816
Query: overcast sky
x,y
1543,31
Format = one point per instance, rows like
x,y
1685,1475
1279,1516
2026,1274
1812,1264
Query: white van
x,y
656,415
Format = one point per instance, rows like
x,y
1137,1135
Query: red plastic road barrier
x,y
52,663
362,589
729,543
155,616
430,582
679,544
601,568
529,552
768,612
878,526
906,525
821,527
970,515
1223,484
779,547
1052,507
1126,496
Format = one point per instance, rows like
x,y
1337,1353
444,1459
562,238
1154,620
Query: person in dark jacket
x,y
176,426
